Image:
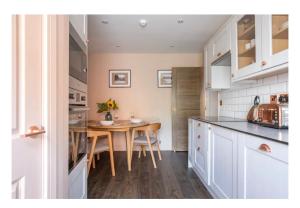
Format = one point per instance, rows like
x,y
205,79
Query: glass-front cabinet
x,y
276,39
259,45
246,38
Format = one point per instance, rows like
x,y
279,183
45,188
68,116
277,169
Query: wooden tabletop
x,y
117,125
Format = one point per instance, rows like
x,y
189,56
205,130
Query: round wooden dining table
x,y
125,126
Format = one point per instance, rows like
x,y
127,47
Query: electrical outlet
x,y
273,99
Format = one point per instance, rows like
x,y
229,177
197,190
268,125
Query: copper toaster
x,y
273,115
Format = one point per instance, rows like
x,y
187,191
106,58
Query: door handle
x,y
33,131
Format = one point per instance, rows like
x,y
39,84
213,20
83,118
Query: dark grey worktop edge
x,y
241,131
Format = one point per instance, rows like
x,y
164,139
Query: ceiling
x,y
163,33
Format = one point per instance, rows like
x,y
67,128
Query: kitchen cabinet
x,y
79,22
223,162
263,168
237,165
190,143
275,40
201,150
218,76
259,45
78,180
221,41
246,45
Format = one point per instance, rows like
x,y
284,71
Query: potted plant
x,y
107,107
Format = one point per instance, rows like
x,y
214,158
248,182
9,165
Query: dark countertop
x,y
210,119
278,135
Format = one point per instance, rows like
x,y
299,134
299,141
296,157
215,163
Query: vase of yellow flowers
x,y
107,107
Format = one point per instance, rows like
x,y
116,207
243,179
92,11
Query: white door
x,y
263,168
224,162
28,107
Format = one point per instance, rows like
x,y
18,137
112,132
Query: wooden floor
x,y
171,180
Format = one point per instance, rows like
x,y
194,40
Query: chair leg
x,y
94,164
131,147
158,150
98,156
144,150
111,155
92,153
152,155
140,151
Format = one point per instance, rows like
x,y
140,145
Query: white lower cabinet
x,y
263,168
199,151
78,180
236,165
223,162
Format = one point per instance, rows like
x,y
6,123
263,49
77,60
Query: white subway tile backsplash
x,y
283,77
252,91
237,102
263,90
278,88
270,80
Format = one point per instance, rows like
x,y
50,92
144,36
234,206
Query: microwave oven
x,y
77,56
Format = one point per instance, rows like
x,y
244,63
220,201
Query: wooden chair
x,y
98,143
148,137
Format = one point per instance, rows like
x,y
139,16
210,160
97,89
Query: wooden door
x,y
185,103
28,105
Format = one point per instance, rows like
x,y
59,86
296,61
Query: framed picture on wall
x,y
164,78
120,78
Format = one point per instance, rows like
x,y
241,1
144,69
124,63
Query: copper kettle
x,y
253,112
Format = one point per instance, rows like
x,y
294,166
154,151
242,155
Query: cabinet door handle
x,y
198,136
265,148
198,148
263,63
199,124
232,75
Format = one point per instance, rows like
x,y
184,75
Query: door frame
x,y
56,60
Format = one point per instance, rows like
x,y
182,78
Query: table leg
x,y
128,150
92,153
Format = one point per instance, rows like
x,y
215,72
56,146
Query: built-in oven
x,y
77,135
77,56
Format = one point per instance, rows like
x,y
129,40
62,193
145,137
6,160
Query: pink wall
x,y
144,99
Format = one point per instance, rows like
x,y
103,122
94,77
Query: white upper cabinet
x,y
221,42
218,76
246,45
275,40
259,45
223,162
263,168
79,23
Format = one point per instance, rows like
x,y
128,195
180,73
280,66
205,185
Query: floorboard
x,y
171,180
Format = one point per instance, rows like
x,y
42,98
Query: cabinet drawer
x,y
270,148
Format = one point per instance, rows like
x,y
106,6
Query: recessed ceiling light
x,y
171,46
104,21
180,21
117,46
143,23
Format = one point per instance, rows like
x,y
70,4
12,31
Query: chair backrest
x,y
154,127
